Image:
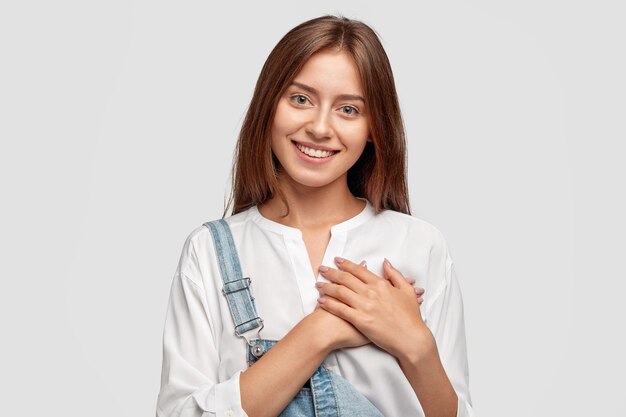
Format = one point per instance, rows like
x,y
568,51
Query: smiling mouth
x,y
313,153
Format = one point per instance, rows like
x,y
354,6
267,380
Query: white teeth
x,y
315,153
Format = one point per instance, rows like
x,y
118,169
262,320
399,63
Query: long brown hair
x,y
380,173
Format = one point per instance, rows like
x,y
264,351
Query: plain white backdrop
x,y
118,121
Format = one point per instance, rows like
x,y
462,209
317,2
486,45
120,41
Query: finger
x,y
336,307
339,292
419,291
358,271
420,300
393,275
343,278
409,280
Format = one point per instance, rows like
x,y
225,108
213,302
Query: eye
x,y
299,99
349,110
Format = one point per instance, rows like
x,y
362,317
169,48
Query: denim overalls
x,y
325,394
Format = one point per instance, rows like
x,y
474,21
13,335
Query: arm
x,y
446,322
189,376
189,379
282,371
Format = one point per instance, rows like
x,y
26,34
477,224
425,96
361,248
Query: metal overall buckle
x,y
257,348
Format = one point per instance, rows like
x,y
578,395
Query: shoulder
x,y
421,241
198,253
200,235
412,227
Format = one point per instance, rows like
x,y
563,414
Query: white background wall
x,y
118,121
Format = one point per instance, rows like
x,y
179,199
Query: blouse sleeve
x,y
445,319
189,375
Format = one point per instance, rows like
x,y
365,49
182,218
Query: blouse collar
x,y
366,214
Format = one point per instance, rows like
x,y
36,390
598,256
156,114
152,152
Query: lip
x,y
312,146
310,159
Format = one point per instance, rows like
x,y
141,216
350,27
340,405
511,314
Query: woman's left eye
x,y
349,110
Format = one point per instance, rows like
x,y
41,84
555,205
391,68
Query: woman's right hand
x,y
339,332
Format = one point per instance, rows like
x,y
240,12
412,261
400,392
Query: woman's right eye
x,y
299,99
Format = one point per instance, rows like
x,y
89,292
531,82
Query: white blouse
x,y
203,358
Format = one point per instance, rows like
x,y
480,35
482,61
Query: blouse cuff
x,y
224,400
464,409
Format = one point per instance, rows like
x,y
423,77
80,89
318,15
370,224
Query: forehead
x,y
332,72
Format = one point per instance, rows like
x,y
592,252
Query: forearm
x,y
430,382
270,383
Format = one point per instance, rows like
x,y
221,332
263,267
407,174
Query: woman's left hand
x,y
384,310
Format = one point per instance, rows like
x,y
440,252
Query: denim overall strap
x,y
236,287
326,394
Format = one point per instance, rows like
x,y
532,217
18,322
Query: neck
x,y
312,207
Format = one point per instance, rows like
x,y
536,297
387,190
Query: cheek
x,y
285,120
279,119
357,134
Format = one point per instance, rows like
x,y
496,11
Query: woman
x,y
319,184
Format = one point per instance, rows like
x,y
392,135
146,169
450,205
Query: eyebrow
x,y
341,96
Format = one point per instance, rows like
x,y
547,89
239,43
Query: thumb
x,y
393,275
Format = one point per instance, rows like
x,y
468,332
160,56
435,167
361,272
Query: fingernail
x,y
319,284
338,259
388,263
363,263
320,300
323,268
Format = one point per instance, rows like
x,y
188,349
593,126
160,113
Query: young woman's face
x,y
321,122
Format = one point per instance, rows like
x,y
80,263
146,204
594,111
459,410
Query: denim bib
x,y
326,393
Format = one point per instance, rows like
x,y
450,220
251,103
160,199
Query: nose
x,y
319,126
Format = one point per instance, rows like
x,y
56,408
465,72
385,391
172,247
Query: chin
x,y
313,182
